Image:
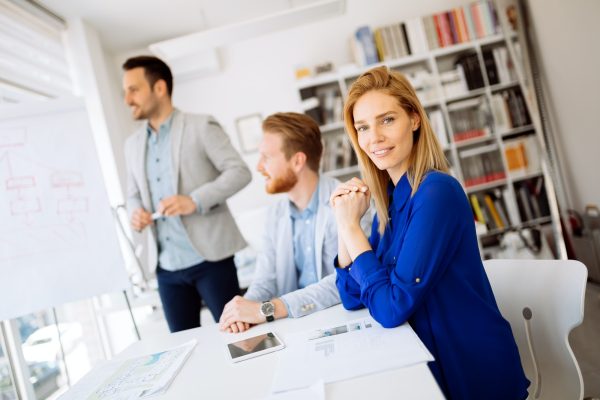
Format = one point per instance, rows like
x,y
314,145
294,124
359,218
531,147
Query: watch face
x,y
267,308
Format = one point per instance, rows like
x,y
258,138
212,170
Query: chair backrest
x,y
543,301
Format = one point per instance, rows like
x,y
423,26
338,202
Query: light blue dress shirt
x,y
175,251
303,234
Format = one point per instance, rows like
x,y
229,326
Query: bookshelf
x,y
471,85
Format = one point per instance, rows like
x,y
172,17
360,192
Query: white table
x,y
209,374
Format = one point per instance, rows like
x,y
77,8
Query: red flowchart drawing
x,y
50,220
13,137
18,183
66,179
25,206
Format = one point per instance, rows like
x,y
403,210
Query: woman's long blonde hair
x,y
426,154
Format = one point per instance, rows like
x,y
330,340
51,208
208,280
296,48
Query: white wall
x,y
95,80
258,74
568,34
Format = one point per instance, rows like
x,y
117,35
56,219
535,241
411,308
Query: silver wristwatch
x,y
267,309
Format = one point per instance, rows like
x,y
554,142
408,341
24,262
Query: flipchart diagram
x,y
58,235
51,221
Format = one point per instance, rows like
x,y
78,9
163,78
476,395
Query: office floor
x,y
585,341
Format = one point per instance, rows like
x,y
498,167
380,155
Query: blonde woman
x,y
421,263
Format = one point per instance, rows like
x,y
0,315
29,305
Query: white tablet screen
x,y
253,345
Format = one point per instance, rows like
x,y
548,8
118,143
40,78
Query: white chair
x,y
543,300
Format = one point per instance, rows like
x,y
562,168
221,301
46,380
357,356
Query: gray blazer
x,y
275,274
205,165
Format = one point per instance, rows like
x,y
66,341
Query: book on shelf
x,y
454,82
424,84
323,103
422,34
501,208
477,208
391,42
469,119
443,29
509,109
453,27
400,35
493,211
461,24
430,32
489,209
522,156
363,46
382,50
472,72
338,153
498,66
417,38
512,210
532,199
481,165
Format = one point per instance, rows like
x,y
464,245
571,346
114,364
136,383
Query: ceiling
x,y
125,25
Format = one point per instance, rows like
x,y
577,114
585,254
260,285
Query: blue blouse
x,y
426,269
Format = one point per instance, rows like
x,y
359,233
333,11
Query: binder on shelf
x,y
522,156
493,211
365,52
499,202
511,207
477,208
524,204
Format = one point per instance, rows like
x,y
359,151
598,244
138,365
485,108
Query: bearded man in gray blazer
x,y
181,169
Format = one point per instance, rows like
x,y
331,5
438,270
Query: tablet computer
x,y
254,346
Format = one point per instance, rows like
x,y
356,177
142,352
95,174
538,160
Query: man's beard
x,y
282,184
145,113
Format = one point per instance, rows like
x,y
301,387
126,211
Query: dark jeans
x,y
182,292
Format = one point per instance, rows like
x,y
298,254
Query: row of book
x,y
532,199
461,24
490,209
323,103
465,76
498,65
419,35
468,65
509,109
470,119
338,152
391,42
522,156
481,165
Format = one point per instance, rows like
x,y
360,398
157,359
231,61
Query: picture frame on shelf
x,y
249,129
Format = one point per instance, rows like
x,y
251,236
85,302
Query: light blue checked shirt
x,y
303,233
175,251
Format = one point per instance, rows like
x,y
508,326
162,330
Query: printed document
x,y
136,378
345,351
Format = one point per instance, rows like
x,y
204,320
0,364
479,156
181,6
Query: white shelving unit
x,y
507,190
